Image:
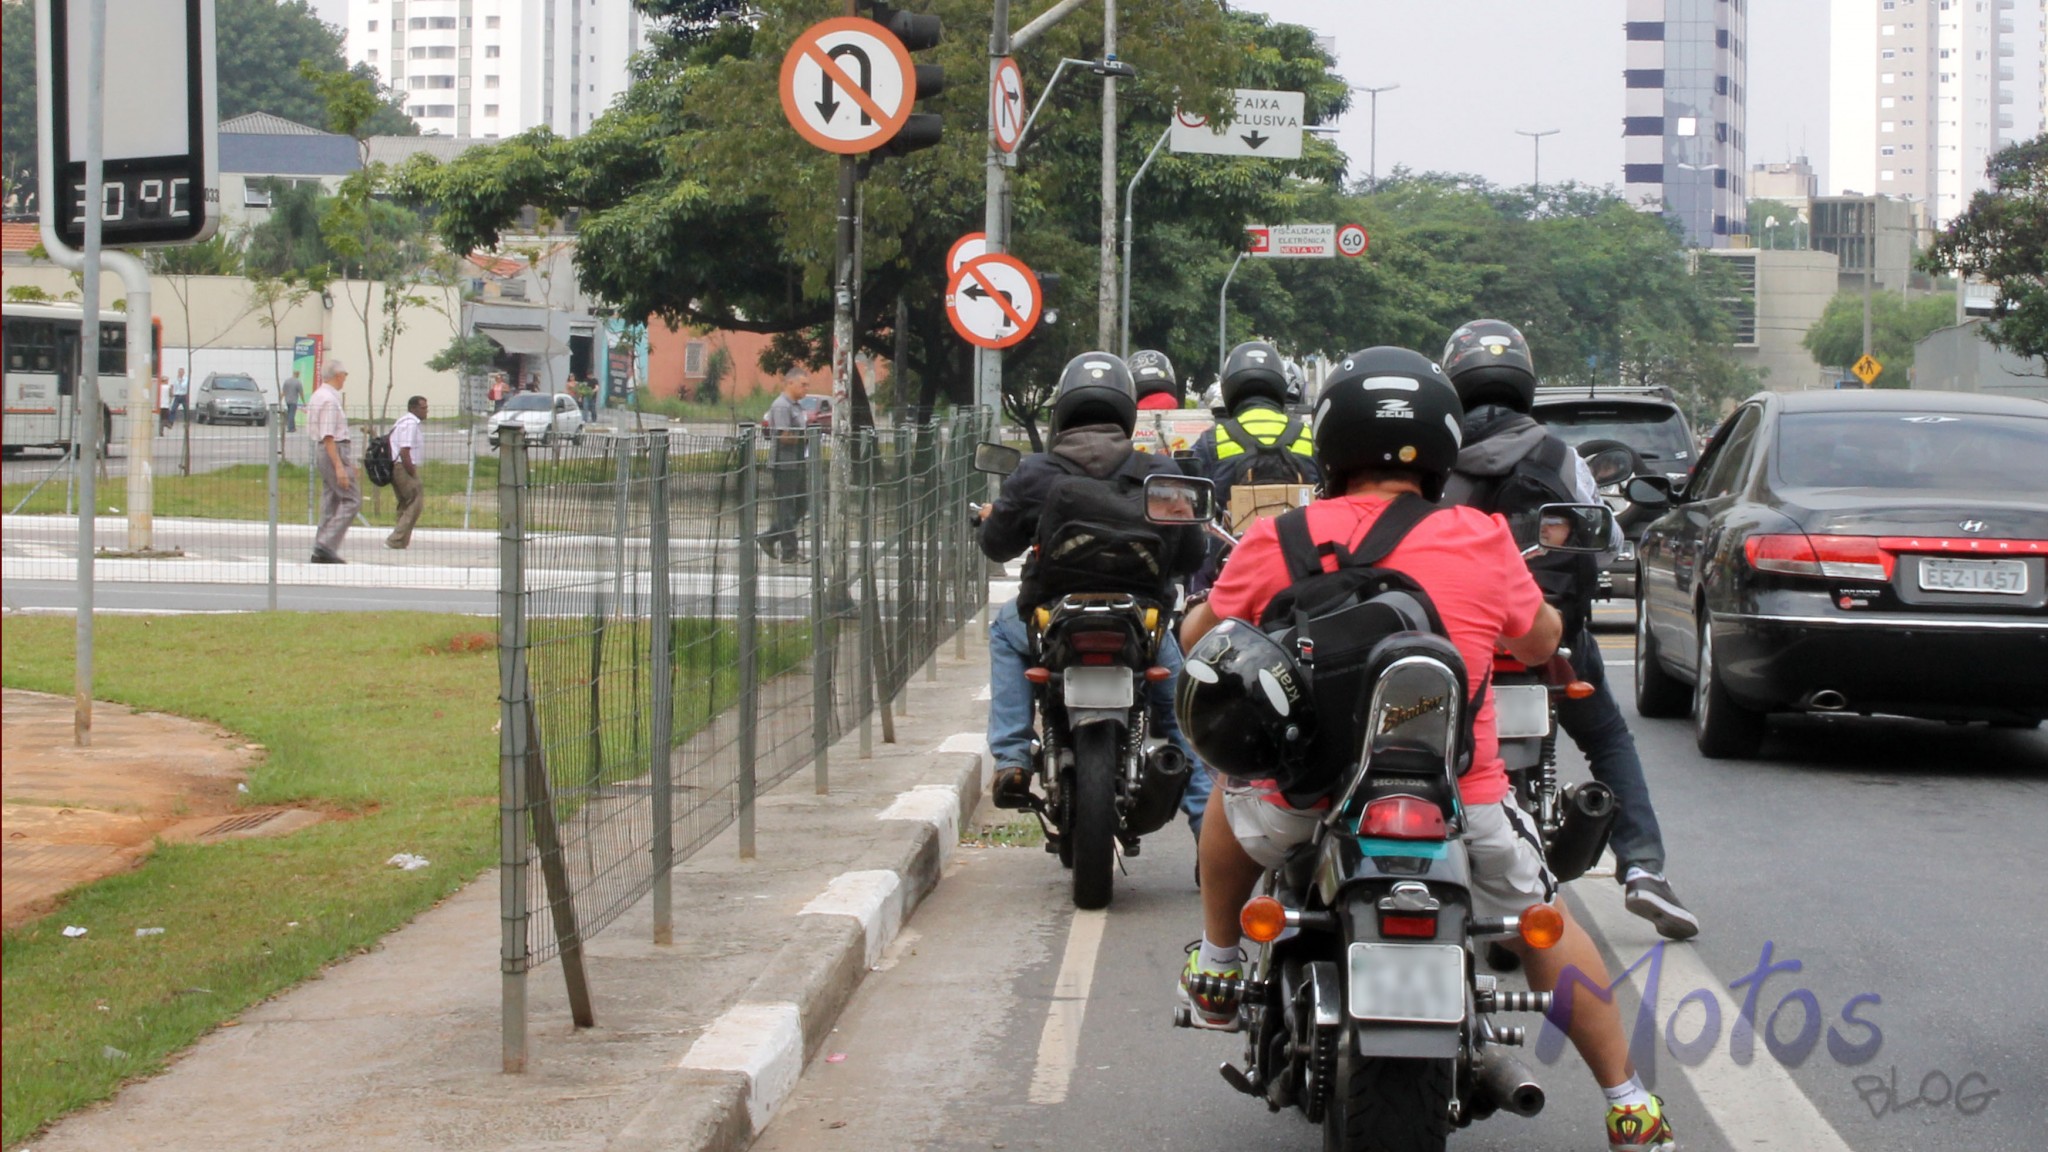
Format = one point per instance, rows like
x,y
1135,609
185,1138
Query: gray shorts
x,y
1508,872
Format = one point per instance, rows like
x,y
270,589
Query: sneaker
x,y
1649,895
1640,1128
322,556
1216,1010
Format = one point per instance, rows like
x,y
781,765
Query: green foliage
x,y
469,355
288,242
219,255
18,134
2002,238
1896,324
1790,231
716,367
28,294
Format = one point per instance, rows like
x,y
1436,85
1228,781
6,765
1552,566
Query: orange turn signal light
x,y
1578,690
1542,926
1263,919
1038,675
1157,673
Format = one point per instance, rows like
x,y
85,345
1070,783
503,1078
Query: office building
x,y
1684,150
490,68
1792,182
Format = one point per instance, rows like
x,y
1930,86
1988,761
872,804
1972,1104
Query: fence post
x,y
935,557
906,551
824,637
744,623
869,618
469,485
661,720
275,437
513,739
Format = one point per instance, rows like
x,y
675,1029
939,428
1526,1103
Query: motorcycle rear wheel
x,y
1092,832
1382,1104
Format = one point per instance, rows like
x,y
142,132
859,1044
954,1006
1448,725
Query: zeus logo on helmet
x,y
1394,408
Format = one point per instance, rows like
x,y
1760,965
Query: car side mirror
x,y
1648,491
1171,499
1563,528
996,459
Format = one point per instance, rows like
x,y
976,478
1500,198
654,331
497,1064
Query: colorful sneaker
x,y
1640,1128
1215,1009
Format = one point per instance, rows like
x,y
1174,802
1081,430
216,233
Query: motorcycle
x,y
1101,783
1364,1006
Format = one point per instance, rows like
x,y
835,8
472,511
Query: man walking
x,y
181,390
293,394
341,496
408,452
792,445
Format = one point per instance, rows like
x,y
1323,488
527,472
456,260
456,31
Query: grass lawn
x,y
241,492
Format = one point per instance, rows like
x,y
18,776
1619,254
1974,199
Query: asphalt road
x,y
1890,859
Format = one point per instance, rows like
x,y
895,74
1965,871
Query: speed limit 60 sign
x,y
1351,240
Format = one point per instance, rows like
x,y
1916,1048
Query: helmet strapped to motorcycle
x,y
1244,705
1153,372
1488,362
1388,409
1253,368
1095,388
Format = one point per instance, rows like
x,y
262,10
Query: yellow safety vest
x,y
1267,426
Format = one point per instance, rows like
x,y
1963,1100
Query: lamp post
x,y
1372,151
1536,170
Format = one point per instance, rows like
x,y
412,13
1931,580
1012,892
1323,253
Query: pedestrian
x,y
181,389
532,382
408,452
789,454
341,495
500,388
163,405
293,394
590,399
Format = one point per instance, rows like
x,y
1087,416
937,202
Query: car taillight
x,y
1402,818
1416,925
1097,641
1842,557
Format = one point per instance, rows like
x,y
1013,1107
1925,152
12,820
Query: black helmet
x,y
1488,362
1153,372
1095,388
1244,705
1388,408
1253,368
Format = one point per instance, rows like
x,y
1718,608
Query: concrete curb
x,y
741,1069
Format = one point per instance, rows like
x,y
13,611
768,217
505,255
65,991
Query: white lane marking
x,y
873,897
1760,1106
765,1041
935,804
1060,1044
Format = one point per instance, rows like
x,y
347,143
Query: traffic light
x,y
918,32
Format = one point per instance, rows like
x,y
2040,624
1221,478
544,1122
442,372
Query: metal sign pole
x,y
85,429
1130,192
995,226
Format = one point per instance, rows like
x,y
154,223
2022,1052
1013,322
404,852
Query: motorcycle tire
x,y
1385,1104
1093,829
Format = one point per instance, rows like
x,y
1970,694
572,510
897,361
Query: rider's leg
x,y
1195,801
1594,1024
1228,876
1009,694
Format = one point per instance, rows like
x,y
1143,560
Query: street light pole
x,y
1372,151
1105,313
1124,328
1536,171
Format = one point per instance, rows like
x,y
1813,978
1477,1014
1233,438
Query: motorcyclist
x,y
1093,412
1158,387
1488,362
1473,573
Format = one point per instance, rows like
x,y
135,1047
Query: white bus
x,y
39,357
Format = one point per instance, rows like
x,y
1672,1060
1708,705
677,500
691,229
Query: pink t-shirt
x,y
1462,557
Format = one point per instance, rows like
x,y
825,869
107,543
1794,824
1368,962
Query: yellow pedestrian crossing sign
x,y
1867,369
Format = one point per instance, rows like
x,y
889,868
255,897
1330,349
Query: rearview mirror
x,y
1648,491
1573,528
996,459
1178,499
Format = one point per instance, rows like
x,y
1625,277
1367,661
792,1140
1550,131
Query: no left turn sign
x,y
993,300
847,85
1006,105
1351,240
964,249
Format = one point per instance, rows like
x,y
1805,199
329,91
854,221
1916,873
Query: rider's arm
x,y
1011,523
1536,645
1196,624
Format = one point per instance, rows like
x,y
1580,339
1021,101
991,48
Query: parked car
x,y
818,413
1859,552
1622,432
231,398
546,419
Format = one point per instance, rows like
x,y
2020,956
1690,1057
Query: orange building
x,y
679,359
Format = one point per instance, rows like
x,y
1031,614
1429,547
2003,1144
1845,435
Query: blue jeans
x,y
1597,726
1009,695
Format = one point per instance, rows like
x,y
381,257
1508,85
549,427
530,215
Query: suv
x,y
1622,432
231,398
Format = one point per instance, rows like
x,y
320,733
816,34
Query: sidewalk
x,y
399,1049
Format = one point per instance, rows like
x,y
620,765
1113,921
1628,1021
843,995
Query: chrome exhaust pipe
x,y
1503,1081
1827,700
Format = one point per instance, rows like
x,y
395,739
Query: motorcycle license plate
x,y
1097,687
2001,577
1407,983
1521,710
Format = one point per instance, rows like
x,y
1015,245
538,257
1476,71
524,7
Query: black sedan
x,y
1862,552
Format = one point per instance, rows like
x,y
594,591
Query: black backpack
x,y
1333,621
377,460
1093,536
1263,463
1567,579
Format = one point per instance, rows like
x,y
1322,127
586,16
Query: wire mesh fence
x,y
685,622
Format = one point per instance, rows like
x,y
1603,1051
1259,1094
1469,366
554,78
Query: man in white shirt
x,y
341,495
181,399
408,452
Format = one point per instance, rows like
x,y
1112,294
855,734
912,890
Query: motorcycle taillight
x,y
1414,925
1402,818
1097,641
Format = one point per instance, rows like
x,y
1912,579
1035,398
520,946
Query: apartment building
x,y
1684,123
491,68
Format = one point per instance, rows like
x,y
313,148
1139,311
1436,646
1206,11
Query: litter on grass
x,y
110,1052
407,862
74,931
149,931
836,1058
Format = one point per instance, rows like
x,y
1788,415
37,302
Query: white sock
x,y
1629,1093
1217,959
1635,874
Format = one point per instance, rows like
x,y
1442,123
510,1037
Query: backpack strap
x,y
1251,443
1288,436
1393,526
1303,555
1239,435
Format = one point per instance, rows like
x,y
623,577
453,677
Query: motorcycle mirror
x,y
1648,491
1573,527
1178,499
1611,466
996,459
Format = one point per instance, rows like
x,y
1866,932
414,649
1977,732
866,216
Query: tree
x,y
2002,238
1776,224
1896,324
273,296
219,255
18,134
716,366
465,355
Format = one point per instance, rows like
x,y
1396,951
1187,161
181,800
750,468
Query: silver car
x,y
231,398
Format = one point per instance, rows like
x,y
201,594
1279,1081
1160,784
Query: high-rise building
x,y
1684,123
491,68
1915,98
